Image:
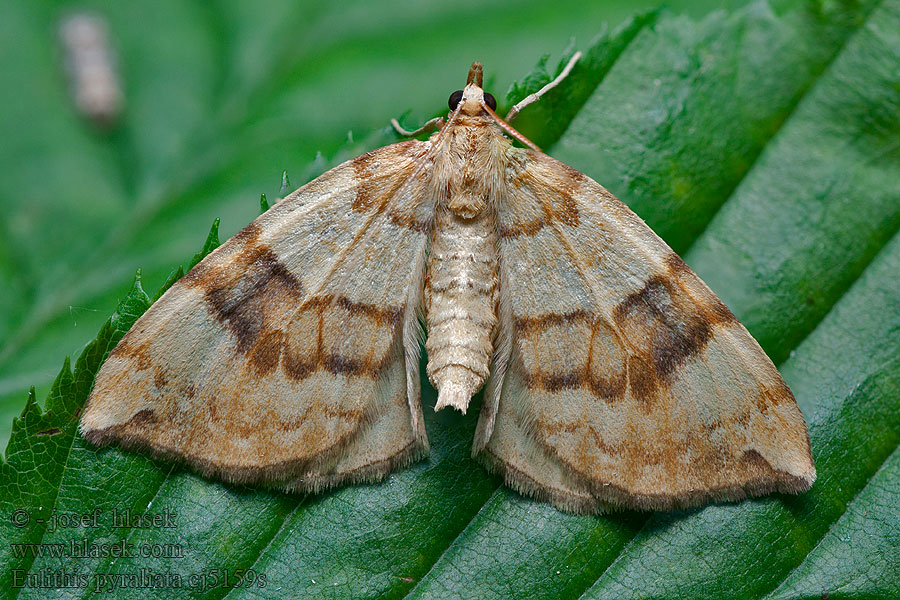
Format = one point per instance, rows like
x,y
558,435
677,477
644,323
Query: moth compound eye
x,y
490,101
455,97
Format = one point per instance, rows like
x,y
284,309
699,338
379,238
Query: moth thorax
x,y
461,295
470,170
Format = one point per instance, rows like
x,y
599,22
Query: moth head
x,y
472,99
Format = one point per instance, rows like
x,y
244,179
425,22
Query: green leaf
x,y
39,454
211,243
851,557
761,142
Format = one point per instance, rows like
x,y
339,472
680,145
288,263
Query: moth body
x,y
462,283
612,375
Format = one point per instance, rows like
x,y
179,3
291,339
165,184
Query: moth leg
x,y
433,124
532,98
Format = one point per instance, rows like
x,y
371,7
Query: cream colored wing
x,y
629,383
290,354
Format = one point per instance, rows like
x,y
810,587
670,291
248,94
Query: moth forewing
x,y
629,374
280,357
613,376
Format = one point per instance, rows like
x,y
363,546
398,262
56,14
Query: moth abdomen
x,y
461,294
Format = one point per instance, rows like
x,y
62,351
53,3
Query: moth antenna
x,y
532,98
510,130
436,123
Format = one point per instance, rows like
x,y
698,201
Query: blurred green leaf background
x,y
762,142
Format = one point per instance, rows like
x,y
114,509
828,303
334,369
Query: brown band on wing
x,y
636,452
319,410
140,353
742,419
573,174
383,316
644,381
559,207
301,362
539,323
601,370
241,304
371,177
526,228
669,320
133,433
200,274
673,328
605,388
752,475
771,397
664,327
242,290
705,467
710,303
249,235
160,380
143,417
549,429
266,353
139,356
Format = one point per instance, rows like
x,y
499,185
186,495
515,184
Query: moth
x,y
612,375
91,66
